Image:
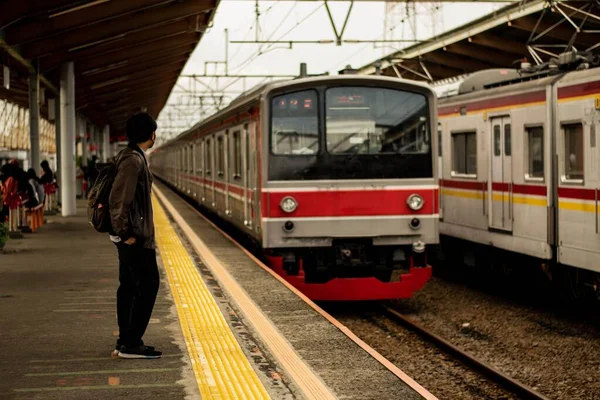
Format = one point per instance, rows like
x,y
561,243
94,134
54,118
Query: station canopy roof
x,y
525,29
127,54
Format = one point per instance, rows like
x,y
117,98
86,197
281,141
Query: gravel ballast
x,y
554,350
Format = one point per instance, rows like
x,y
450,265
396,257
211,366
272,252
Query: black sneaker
x,y
118,347
139,352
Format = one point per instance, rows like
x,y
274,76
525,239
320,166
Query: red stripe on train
x,y
514,100
535,190
348,203
579,90
467,185
577,193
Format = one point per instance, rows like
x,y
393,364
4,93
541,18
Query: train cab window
x,y
208,157
220,156
237,155
507,141
295,123
464,147
375,121
573,139
535,151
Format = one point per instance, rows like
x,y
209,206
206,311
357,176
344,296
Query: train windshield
x,y
350,132
295,124
366,120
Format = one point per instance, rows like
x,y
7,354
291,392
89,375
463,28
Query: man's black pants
x,y
139,281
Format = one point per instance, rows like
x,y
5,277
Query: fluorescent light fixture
x,y
110,82
51,109
6,79
110,39
81,7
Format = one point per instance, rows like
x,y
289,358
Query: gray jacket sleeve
x,y
122,195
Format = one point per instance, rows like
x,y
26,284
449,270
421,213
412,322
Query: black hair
x,y
140,128
31,174
44,164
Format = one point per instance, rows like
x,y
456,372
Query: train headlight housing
x,y
415,202
288,204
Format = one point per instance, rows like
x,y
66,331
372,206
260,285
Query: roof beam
x,y
131,95
461,64
437,71
498,18
130,41
25,63
497,60
150,51
148,59
35,28
563,32
497,43
133,81
22,9
171,64
109,30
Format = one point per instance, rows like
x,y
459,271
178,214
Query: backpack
x,y
97,204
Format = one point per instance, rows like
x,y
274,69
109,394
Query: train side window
x,y
507,141
573,139
535,151
497,140
464,148
220,156
237,155
199,160
208,157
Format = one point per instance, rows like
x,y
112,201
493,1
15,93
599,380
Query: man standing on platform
x,y
133,225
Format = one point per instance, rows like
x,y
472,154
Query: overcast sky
x,y
303,20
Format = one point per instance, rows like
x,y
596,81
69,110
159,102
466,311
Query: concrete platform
x,y
58,323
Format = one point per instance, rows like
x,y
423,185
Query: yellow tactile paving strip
x,y
220,366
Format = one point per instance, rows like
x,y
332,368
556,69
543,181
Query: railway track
x,y
480,367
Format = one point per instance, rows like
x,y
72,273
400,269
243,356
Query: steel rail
x,y
483,368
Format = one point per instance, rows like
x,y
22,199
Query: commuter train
x,y
335,177
519,167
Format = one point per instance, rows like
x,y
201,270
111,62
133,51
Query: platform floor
x,y
227,328
58,322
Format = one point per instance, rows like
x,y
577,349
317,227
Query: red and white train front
x,y
350,196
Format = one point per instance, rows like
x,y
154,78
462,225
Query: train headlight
x,y
415,202
288,204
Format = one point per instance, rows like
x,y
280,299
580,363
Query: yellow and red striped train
x,y
334,177
519,167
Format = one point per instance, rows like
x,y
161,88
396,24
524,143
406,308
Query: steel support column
x,y
106,143
67,139
57,139
34,121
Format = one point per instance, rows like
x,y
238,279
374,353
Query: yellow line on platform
x,y
220,366
305,378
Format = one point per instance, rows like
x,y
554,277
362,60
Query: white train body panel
x,y
502,190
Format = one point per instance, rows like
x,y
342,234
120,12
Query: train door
x,y
200,160
246,173
500,184
254,182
